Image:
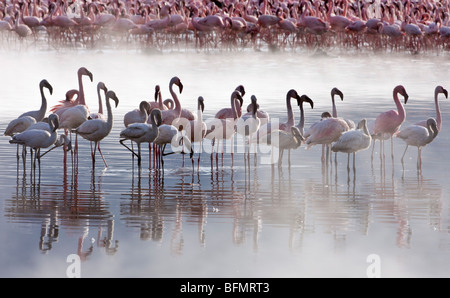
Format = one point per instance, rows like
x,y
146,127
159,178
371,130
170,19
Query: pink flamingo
x,y
390,121
72,117
437,90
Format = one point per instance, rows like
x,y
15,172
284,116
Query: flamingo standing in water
x,y
224,129
437,90
388,123
197,128
353,141
142,133
248,126
96,130
38,138
419,136
25,120
72,117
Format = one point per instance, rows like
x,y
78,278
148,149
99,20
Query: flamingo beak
x,y
181,87
446,93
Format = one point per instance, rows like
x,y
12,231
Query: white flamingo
x,y
248,126
197,128
437,90
37,139
284,141
137,115
40,114
418,136
96,130
142,133
353,141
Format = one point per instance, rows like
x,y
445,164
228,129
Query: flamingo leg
x,y
404,152
101,154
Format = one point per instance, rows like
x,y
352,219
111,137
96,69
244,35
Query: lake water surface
x,y
229,219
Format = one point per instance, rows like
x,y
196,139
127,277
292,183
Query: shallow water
x,y
229,219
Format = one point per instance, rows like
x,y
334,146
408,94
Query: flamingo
x,y
353,141
16,126
197,128
96,130
142,133
284,140
325,132
390,121
419,136
38,138
248,126
72,117
67,102
262,115
224,129
437,90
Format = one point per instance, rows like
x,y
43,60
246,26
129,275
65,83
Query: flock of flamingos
x,y
160,123
375,24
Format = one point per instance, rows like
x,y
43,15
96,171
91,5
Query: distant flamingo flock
x,y
169,128
395,25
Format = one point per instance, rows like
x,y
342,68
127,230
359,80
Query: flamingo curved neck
x,y
175,99
43,106
80,98
301,123
438,112
233,107
109,121
100,105
400,108
290,113
334,107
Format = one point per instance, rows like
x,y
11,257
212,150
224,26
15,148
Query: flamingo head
x,y
177,81
440,89
144,106
157,91
71,93
83,71
254,104
102,86
325,115
336,91
201,104
53,119
46,84
237,95
241,89
297,134
156,114
304,98
112,95
431,122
